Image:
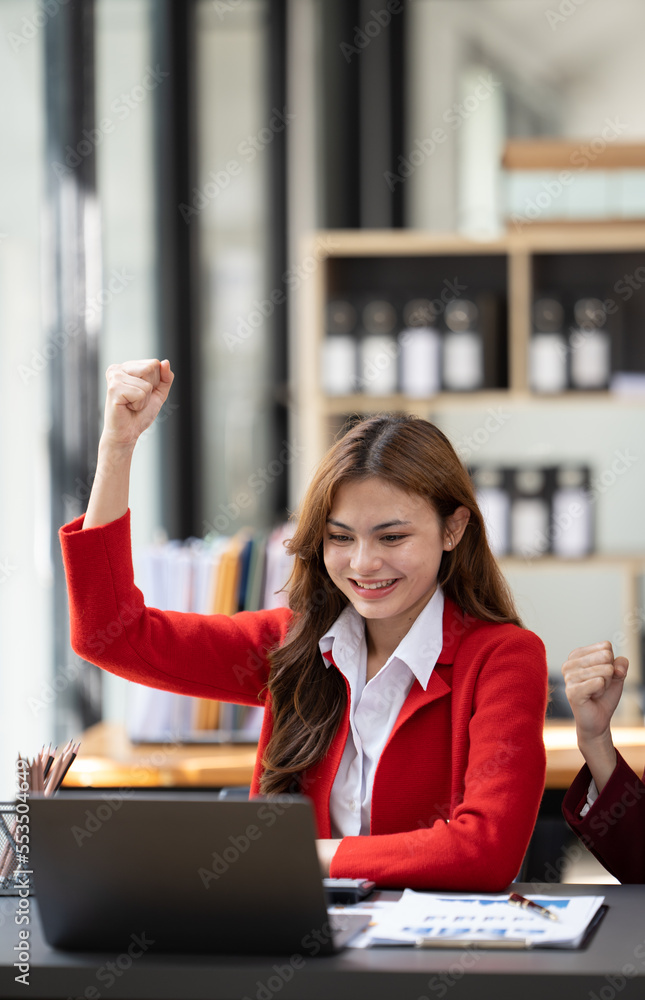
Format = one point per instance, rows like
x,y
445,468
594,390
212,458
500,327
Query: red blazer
x,y
458,785
614,828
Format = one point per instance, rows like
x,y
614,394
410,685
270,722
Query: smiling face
x,y
383,548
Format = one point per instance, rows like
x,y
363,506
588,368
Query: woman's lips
x,y
372,592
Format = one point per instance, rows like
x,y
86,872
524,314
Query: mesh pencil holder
x,y
10,876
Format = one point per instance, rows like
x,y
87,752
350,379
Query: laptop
x,y
173,872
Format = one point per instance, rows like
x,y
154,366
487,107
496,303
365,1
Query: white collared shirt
x,y
375,705
592,795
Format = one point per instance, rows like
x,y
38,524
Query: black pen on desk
x,y
527,904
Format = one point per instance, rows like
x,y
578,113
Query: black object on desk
x,y
182,874
347,890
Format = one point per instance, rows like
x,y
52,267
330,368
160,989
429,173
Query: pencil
x,y
52,779
50,760
70,761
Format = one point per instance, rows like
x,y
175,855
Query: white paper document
x,y
425,919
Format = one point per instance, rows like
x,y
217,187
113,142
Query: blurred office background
x,y
164,164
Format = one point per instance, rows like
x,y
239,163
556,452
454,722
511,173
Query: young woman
x,y
402,695
605,805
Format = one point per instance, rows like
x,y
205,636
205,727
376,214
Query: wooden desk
x,y
613,965
564,760
108,759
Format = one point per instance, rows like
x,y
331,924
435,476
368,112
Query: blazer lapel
x,y
454,626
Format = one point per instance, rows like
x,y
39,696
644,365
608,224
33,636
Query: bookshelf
x,y
516,268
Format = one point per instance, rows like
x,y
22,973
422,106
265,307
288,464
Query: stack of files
x,y
217,575
452,920
278,568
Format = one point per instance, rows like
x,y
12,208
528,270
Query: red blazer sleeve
x,y
210,656
614,827
499,763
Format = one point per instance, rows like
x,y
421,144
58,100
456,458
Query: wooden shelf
x,y
365,403
559,154
553,237
520,251
521,264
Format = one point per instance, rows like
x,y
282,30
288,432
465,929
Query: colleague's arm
x,y
136,392
594,683
613,827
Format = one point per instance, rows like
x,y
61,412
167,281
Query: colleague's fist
x,y
594,683
136,391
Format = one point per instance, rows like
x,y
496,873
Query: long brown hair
x,y
308,700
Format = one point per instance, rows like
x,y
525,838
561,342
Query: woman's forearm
x,y
600,756
110,490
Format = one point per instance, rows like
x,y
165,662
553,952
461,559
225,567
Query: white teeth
x,y
374,586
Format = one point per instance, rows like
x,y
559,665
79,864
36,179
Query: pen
x,y
527,904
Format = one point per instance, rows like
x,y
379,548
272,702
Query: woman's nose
x,y
365,558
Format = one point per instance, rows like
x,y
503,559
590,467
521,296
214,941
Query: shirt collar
x,y
419,649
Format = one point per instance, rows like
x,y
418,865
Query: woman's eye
x,y
393,538
339,538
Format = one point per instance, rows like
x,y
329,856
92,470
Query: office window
x,y
25,572
236,131
126,80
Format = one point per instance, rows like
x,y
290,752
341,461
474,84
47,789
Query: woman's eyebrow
x,y
377,527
